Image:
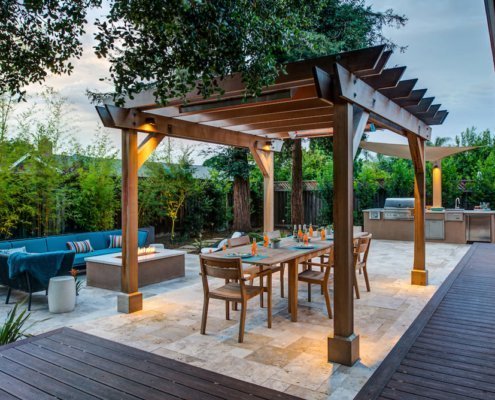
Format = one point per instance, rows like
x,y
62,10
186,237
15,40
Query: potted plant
x,y
275,243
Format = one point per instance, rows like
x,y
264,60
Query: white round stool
x,y
62,294
157,245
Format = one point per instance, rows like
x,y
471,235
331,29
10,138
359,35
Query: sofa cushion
x,y
142,236
97,239
115,242
31,245
58,243
84,246
5,245
79,258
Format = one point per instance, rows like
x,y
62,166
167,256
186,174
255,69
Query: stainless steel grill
x,y
399,208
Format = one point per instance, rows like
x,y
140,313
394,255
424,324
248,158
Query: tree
x,y
233,163
297,211
337,26
94,199
37,38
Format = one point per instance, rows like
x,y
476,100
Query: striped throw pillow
x,y
115,241
80,247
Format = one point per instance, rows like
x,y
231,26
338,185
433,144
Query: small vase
x,y
275,245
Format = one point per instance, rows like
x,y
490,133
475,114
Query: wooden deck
x,y
68,364
448,353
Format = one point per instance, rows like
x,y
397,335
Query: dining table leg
x,y
293,283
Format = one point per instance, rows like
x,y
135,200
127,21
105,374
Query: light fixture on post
x,y
150,121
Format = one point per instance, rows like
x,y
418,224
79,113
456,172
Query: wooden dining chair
x,y
237,242
235,289
254,271
321,278
361,250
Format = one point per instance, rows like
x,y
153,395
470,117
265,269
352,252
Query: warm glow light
x,y
143,251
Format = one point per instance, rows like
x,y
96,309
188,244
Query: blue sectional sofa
x,y
99,241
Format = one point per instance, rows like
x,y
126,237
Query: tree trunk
x,y
297,211
242,215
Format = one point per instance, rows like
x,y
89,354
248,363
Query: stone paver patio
x,y
290,357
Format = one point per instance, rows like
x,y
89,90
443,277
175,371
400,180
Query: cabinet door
x,y
435,229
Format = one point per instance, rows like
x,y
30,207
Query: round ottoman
x,y
157,245
61,294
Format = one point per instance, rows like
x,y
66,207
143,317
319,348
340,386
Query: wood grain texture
x,y
70,364
448,352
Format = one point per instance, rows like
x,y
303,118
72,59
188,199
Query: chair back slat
x,y
364,247
220,268
330,264
237,242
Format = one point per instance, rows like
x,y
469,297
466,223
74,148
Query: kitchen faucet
x,y
457,203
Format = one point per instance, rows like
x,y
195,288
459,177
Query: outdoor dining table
x,y
288,254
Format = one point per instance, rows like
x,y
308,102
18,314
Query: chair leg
x,y
205,315
262,292
282,270
356,287
242,323
309,292
365,272
8,295
227,310
327,300
269,295
29,289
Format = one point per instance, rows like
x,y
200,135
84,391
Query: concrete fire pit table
x,y
105,271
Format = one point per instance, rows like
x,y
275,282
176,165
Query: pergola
x,y
336,95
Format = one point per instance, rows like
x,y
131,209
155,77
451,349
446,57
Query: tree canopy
x,y
38,37
172,45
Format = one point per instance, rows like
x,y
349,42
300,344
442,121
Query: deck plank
x,y
70,364
449,350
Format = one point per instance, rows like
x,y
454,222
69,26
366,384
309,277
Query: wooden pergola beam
x,y
413,99
403,89
422,106
122,118
297,74
389,78
319,123
273,117
148,146
358,92
315,116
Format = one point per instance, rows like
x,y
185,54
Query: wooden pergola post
x,y
419,274
343,345
130,300
264,160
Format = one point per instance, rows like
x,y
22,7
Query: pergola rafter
x,y
337,95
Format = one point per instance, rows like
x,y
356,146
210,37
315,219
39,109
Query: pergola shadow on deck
x,y
337,95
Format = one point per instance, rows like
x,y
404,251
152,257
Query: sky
x,y
447,49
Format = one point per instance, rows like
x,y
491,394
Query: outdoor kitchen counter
x,y
449,226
